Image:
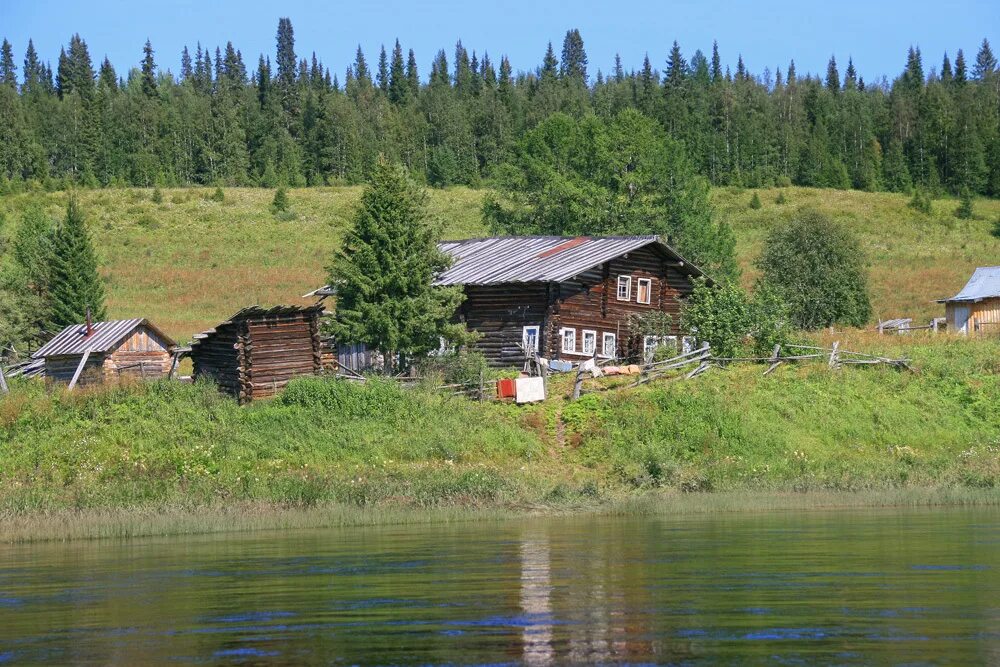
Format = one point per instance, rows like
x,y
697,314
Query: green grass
x,y
328,443
189,262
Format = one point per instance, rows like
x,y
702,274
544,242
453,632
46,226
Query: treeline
x,y
292,121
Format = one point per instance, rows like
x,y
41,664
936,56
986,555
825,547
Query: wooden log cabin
x,y
976,308
108,351
566,298
257,351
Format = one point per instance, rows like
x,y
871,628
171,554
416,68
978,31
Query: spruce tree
x,y
676,67
384,274
382,76
399,88
8,70
832,76
960,68
148,71
986,62
412,75
716,62
34,72
574,57
75,284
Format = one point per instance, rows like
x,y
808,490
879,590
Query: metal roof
x,y
984,284
255,312
526,259
105,337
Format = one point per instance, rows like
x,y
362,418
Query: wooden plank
x,y
3,382
79,369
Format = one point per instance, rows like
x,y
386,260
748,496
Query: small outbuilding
x,y
257,351
976,309
94,353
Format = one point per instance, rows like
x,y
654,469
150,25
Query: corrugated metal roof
x,y
255,312
984,284
525,259
105,337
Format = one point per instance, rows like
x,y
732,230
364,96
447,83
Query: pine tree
x,y
676,67
716,62
148,71
412,76
384,274
382,76
960,68
34,72
619,72
8,70
285,61
986,62
75,284
851,75
574,57
946,72
550,66
186,71
399,88
832,76
361,73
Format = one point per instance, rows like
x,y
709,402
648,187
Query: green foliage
x,y
620,175
461,367
964,210
384,273
75,285
921,202
734,323
280,202
817,268
157,197
780,199
755,204
218,195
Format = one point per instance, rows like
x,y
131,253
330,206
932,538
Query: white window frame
x,y
609,351
524,336
562,340
583,342
649,290
628,288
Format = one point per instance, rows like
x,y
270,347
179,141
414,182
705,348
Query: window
x,y
568,337
624,288
643,290
589,342
649,345
609,345
529,338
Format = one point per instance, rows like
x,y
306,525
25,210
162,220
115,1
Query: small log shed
x,y
257,351
976,309
89,354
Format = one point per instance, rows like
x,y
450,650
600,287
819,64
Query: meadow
x,y
189,261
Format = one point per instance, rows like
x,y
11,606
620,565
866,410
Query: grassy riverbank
x,y
142,458
187,261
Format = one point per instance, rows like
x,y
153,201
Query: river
x,y
841,587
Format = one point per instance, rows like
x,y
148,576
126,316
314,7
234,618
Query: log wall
x,y
499,313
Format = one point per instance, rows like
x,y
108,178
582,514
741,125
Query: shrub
x,y
464,366
755,202
157,197
732,322
921,202
780,199
218,195
964,210
280,202
816,267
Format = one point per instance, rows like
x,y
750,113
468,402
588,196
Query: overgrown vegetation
x,y
801,428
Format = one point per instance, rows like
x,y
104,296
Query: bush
x,y
280,202
755,202
816,268
732,322
460,367
780,199
218,195
921,202
964,210
157,197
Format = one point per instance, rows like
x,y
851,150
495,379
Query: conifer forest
x,y
286,119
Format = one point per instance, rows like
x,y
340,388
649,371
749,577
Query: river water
x,y
846,587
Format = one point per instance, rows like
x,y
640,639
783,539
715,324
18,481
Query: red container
x,y
505,388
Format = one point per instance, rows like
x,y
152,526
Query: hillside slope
x,y
189,261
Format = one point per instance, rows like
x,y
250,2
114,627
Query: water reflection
x,y
851,588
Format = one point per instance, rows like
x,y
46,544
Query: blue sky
x,y
876,33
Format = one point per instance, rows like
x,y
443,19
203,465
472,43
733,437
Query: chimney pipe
x,y
90,325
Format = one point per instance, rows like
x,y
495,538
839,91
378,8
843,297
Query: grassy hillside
x,y
801,428
189,261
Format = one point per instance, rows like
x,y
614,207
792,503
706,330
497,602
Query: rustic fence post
x,y
775,359
482,387
3,382
834,356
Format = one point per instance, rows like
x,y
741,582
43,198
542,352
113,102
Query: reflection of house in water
x,y
536,591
